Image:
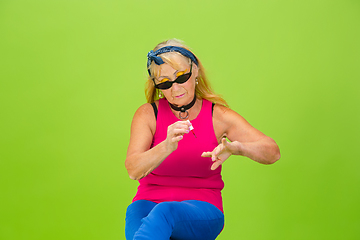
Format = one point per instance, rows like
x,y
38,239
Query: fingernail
x,y
187,131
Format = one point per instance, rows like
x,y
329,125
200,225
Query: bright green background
x,y
72,75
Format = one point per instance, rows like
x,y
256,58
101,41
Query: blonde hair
x,y
203,89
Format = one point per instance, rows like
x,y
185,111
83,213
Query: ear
x,y
195,69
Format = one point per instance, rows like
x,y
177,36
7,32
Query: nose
x,y
175,86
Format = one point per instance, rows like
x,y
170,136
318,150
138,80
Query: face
x,y
178,94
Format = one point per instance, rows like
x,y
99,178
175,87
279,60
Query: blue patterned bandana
x,y
152,56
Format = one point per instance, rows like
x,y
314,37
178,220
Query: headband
x,y
152,56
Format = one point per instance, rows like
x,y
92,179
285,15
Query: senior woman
x,y
177,145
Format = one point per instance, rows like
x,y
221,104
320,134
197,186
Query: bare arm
x,y
245,140
140,159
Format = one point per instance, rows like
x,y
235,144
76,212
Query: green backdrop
x,y
72,75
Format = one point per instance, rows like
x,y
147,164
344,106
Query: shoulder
x,y
227,120
145,116
222,113
234,126
144,110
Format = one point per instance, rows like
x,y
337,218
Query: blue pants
x,y
186,220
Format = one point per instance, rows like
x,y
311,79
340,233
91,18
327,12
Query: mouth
x,y
179,96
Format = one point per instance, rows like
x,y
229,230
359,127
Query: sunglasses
x,y
168,84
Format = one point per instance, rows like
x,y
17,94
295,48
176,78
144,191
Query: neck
x,y
183,113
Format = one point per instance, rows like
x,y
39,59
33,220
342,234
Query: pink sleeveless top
x,y
184,174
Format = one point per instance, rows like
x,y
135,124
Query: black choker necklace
x,y
183,109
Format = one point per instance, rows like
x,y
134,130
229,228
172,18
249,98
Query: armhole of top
x,y
155,109
212,109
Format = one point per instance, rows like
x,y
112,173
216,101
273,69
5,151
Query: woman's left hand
x,y
222,152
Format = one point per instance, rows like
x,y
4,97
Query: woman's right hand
x,y
175,133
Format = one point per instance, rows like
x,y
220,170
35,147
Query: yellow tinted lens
x,y
180,73
163,80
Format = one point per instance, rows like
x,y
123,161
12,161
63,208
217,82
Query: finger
x,y
206,154
216,153
183,123
180,131
187,122
225,143
214,156
215,165
178,125
178,138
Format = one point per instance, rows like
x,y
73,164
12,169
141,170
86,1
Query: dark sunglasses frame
x,y
180,79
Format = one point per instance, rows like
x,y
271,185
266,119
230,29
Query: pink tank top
x,y
184,174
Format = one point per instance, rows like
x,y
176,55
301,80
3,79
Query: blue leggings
x,y
186,220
